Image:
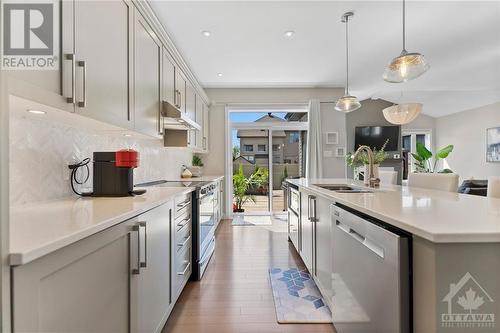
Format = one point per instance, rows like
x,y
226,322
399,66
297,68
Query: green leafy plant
x,y
423,158
236,152
241,185
362,159
197,161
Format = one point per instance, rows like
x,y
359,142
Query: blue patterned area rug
x,y
297,298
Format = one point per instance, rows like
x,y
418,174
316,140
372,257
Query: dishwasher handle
x,y
370,245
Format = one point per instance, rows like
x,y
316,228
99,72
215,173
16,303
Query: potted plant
x,y
197,168
241,185
362,160
261,179
423,159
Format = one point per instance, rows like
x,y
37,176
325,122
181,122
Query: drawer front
x,y
182,202
183,238
182,269
182,223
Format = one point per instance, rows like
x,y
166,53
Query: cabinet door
x,y
148,53
307,229
103,47
168,74
205,127
84,287
199,119
180,89
323,248
154,294
191,112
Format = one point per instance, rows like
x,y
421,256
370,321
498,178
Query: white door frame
x,y
270,126
413,134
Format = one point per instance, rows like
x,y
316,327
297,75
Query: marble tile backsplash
x,y
40,150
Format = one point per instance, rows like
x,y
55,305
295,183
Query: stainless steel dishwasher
x,y
371,274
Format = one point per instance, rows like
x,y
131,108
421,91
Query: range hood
x,y
175,119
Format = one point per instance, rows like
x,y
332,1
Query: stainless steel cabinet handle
x,y
72,99
175,97
185,269
185,242
183,223
314,217
183,204
83,64
204,143
138,269
145,262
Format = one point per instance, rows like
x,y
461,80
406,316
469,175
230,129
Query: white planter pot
x,y
366,172
197,171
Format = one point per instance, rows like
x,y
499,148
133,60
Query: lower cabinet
x,y
84,287
124,279
315,233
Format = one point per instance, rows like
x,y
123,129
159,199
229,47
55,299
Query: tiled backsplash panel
x,y
41,148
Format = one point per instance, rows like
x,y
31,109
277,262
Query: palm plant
x,y
241,185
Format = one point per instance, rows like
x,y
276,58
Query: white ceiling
x,y
460,40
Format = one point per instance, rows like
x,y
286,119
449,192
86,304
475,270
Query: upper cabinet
x,y
147,78
101,61
116,66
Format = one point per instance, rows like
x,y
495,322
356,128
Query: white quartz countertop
x,y
196,179
39,229
440,217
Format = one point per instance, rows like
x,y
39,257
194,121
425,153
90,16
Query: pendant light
x,y
407,66
401,114
347,103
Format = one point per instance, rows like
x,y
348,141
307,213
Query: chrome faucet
x,y
372,181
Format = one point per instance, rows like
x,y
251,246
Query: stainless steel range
x,y
204,213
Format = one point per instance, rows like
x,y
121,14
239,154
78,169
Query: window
x,y
250,158
294,137
248,147
261,148
276,147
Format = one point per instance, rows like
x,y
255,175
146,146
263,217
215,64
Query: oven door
x,y
207,218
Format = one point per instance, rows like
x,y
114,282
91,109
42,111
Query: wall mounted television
x,y
375,137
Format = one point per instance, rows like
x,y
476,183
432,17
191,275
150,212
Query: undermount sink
x,y
343,188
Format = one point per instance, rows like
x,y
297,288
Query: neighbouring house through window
x,y
261,148
248,147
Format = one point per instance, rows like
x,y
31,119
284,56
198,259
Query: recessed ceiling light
x,y
127,135
219,74
206,33
289,33
36,111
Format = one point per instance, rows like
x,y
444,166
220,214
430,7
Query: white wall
x,y
467,132
332,121
42,145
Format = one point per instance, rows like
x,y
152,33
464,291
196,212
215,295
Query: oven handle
x,y
208,252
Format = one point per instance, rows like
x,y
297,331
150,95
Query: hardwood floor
x,y
235,294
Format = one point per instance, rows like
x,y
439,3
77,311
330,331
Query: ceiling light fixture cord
x,y
347,54
404,26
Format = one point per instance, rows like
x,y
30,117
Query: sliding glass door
x,y
266,149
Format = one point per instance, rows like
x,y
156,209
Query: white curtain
x,y
314,157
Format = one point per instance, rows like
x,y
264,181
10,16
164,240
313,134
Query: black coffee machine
x,y
113,174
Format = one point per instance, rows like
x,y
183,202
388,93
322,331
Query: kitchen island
x,y
453,255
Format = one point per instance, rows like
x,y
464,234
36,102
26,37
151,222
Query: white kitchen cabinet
x,y
84,287
322,270
199,120
191,112
168,78
182,265
154,294
205,128
180,90
103,53
307,214
147,78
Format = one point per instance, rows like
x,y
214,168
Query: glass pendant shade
x,y
347,104
407,66
401,114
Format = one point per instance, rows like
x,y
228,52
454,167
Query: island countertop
x,y
438,216
42,228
